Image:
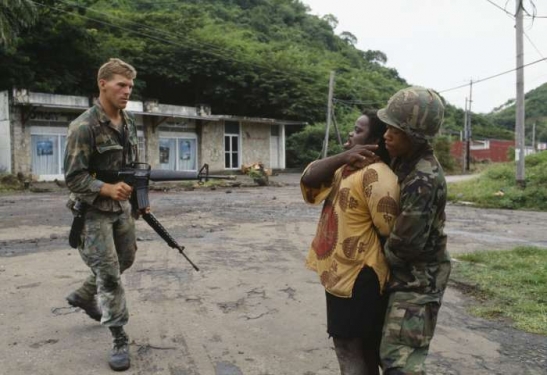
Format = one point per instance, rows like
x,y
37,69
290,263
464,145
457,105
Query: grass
x,y
496,186
512,285
9,183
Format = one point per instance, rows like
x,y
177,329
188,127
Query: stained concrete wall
x,y
211,146
151,142
5,137
255,143
20,143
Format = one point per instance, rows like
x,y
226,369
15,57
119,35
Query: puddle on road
x,y
226,368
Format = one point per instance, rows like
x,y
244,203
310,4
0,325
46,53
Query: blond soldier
x,y
105,138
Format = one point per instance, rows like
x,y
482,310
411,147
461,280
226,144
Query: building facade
x,y
490,150
33,129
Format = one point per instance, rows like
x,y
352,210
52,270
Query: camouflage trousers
x,y
108,247
408,329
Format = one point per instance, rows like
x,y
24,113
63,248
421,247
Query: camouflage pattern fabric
x,y
416,248
108,247
93,143
417,111
419,262
408,330
108,242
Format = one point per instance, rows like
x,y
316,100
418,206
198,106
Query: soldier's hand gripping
x,y
360,156
119,191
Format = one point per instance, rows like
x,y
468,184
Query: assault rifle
x,y
138,176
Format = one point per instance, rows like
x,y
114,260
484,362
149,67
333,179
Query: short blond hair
x,y
116,66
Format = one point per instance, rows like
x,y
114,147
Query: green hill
x,y
535,102
267,58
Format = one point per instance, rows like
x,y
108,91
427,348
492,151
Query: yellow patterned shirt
x,y
359,206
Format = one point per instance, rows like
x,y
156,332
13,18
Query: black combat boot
x,y
119,356
88,305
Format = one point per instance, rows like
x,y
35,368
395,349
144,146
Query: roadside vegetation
x,y
496,186
9,183
511,285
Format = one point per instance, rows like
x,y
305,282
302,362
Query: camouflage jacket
x,y
416,248
93,144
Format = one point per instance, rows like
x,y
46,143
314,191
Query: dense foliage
x,y
267,58
15,15
535,102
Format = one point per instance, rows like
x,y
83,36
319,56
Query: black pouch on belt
x,y
77,227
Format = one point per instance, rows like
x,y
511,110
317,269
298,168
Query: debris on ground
x,y
257,172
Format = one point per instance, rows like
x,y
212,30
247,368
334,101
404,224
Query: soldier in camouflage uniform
x,y
105,138
416,248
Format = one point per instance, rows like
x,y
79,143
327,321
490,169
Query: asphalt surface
x,y
252,308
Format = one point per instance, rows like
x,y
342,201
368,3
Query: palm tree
x,y
14,16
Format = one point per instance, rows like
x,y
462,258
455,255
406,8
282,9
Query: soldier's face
x,y
116,90
398,144
360,134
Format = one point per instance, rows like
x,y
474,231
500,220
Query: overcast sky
x,y
445,43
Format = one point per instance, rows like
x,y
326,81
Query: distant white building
x,y
528,150
33,129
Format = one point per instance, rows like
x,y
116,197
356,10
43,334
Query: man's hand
x,y
138,213
361,156
119,191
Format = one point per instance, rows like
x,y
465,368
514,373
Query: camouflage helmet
x,y
417,111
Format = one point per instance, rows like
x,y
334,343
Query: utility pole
x,y
336,129
329,114
464,140
534,137
468,138
519,120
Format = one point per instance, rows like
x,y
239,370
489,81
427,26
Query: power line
x,y
493,76
511,14
171,42
150,28
353,102
513,17
533,45
499,7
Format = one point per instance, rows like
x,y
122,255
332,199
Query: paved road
x,y
252,309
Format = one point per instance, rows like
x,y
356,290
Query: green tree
x,y
15,15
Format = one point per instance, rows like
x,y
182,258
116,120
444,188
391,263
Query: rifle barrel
x,y
219,177
165,175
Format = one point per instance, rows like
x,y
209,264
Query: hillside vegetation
x,y
266,58
535,102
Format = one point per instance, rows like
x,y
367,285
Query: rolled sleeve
x,y
76,164
313,195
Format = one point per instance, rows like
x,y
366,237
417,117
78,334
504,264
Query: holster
x,y
77,227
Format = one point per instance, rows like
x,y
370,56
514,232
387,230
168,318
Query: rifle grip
x,y
141,195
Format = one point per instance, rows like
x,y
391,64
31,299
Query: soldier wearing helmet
x,y
416,248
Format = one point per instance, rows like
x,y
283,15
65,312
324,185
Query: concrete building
x,y
33,129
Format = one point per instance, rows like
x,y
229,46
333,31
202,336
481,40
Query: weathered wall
x,y
5,133
151,142
211,147
255,143
20,143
